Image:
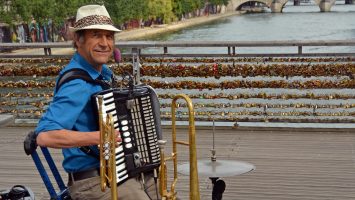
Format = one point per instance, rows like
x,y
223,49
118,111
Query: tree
x,y
218,2
121,11
4,12
177,8
14,11
215,3
182,7
125,10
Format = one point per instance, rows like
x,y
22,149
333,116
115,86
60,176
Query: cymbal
x,y
218,168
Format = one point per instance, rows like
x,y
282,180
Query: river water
x,y
303,22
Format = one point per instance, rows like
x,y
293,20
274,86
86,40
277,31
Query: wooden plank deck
x,y
312,164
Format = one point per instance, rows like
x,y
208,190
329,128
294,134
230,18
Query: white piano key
x,y
118,155
107,95
122,178
119,149
121,175
110,107
115,119
120,162
120,166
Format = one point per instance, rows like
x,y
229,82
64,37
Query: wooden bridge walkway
x,y
312,164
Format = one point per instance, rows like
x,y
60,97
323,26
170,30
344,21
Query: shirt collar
x,y
105,72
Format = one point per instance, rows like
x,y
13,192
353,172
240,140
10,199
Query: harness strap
x,y
77,73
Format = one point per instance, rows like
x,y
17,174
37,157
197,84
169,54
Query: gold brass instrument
x,y
194,183
107,152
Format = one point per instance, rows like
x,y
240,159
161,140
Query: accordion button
x,y
124,122
129,145
124,128
126,134
127,140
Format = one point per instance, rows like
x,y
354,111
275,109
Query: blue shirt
x,y
72,109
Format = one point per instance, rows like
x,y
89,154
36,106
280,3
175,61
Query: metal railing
x,y
229,48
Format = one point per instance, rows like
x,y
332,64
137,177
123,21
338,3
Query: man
x,y
69,121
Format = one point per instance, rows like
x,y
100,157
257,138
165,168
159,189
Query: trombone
x,y
194,183
107,152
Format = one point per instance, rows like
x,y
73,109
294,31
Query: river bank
x,y
135,34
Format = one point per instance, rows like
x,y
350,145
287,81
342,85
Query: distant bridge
x,y
277,5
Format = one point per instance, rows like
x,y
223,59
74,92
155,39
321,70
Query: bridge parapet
x,y
234,5
276,6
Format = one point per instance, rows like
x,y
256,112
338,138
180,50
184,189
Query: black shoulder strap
x,y
77,73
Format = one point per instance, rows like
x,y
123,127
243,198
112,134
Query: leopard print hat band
x,y
93,17
93,20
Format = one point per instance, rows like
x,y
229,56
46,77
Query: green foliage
x,y
120,10
219,2
125,10
14,11
162,9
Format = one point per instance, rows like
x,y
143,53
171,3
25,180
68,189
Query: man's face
x,y
96,46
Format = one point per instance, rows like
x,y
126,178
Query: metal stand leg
x,y
218,188
136,66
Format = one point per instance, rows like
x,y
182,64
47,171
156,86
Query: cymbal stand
x,y
218,184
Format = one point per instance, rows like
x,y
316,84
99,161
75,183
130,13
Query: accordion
x,y
136,115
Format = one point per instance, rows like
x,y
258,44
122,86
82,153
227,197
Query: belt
x,y
77,176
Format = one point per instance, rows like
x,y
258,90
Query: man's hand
x,y
118,138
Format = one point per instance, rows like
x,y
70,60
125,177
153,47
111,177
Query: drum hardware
x,y
265,113
214,169
136,65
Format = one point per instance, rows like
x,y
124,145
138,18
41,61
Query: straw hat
x,y
93,17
